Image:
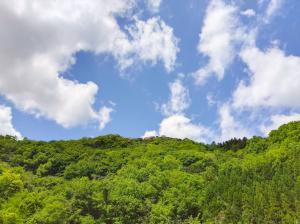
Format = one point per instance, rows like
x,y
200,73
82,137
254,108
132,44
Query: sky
x,y
208,70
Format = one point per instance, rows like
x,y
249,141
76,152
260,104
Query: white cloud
x,y
6,126
248,13
179,99
210,99
229,127
152,40
278,120
220,34
154,5
176,124
105,116
274,79
179,126
38,43
272,8
273,84
223,34
149,134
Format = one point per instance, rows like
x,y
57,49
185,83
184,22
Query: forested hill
x,y
111,179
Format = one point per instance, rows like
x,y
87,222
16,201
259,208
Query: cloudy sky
x,y
202,69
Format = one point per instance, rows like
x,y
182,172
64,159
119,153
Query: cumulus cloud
x,y
272,8
210,99
179,99
229,127
38,43
277,120
180,126
274,79
273,85
105,116
152,40
149,134
175,123
248,13
273,75
154,5
6,126
220,34
223,34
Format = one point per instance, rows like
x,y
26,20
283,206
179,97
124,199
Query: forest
x,y
111,179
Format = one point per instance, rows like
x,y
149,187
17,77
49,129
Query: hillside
x,y
111,179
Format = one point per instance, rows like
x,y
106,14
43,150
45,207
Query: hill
x,y
110,179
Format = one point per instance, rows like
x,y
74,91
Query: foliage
x,y
110,179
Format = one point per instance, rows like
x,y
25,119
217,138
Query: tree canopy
x,y
111,179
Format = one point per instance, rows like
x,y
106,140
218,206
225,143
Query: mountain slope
x,y
111,179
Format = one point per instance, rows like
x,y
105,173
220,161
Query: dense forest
x,y
111,179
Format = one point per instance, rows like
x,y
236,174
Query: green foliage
x,y
110,179
233,144
10,183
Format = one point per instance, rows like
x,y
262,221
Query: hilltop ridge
x,y
111,179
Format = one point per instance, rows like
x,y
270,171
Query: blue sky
x,y
205,70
